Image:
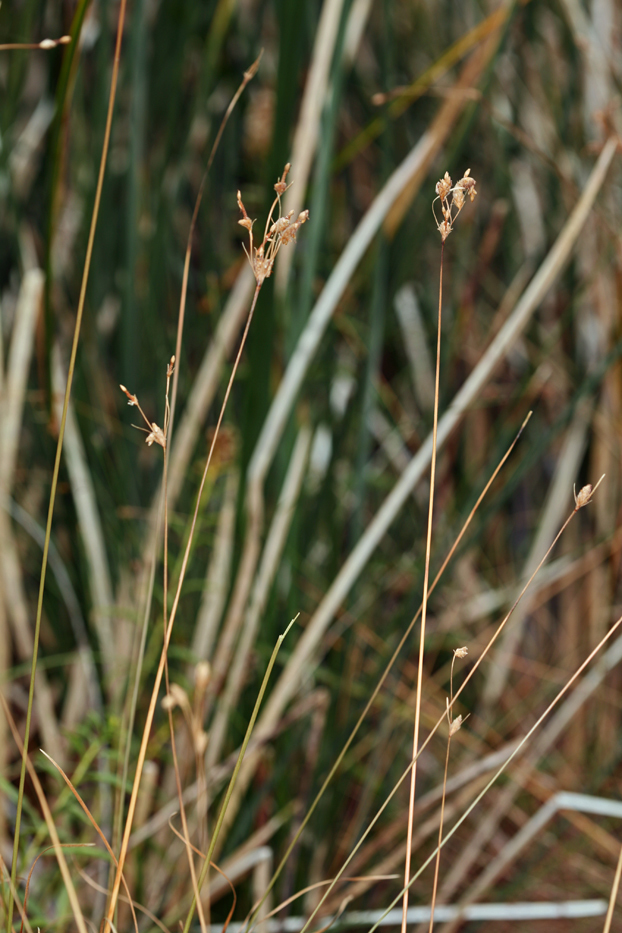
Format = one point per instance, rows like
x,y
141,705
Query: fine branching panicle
x,y
155,434
277,233
452,198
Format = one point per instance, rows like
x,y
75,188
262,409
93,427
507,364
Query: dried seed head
x,y
461,652
175,697
585,494
155,436
277,233
455,725
200,742
458,198
444,229
444,186
452,198
202,674
281,185
131,399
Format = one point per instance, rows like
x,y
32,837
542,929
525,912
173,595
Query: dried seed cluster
x,y
277,233
155,434
585,494
452,198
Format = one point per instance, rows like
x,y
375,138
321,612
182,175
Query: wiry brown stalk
x,y
614,628
248,76
452,201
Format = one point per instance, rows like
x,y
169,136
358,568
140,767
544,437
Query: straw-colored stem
x,y
440,837
59,446
614,895
424,605
180,796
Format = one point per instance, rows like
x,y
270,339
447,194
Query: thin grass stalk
x,y
614,895
424,603
59,446
4,874
248,76
390,664
437,864
160,671
504,766
236,771
454,726
182,809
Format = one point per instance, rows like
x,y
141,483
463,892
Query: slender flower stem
x,y
424,608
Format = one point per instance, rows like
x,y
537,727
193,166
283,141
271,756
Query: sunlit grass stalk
x,y
424,604
614,895
182,809
452,201
59,447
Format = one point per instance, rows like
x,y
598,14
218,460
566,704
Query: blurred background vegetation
x,y
523,93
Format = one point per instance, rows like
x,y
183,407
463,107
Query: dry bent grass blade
x,y
49,820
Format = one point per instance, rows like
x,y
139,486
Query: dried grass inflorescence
x,y
277,233
155,434
584,496
452,198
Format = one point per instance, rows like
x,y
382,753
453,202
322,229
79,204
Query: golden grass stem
x,y
59,447
93,823
440,838
424,603
614,895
